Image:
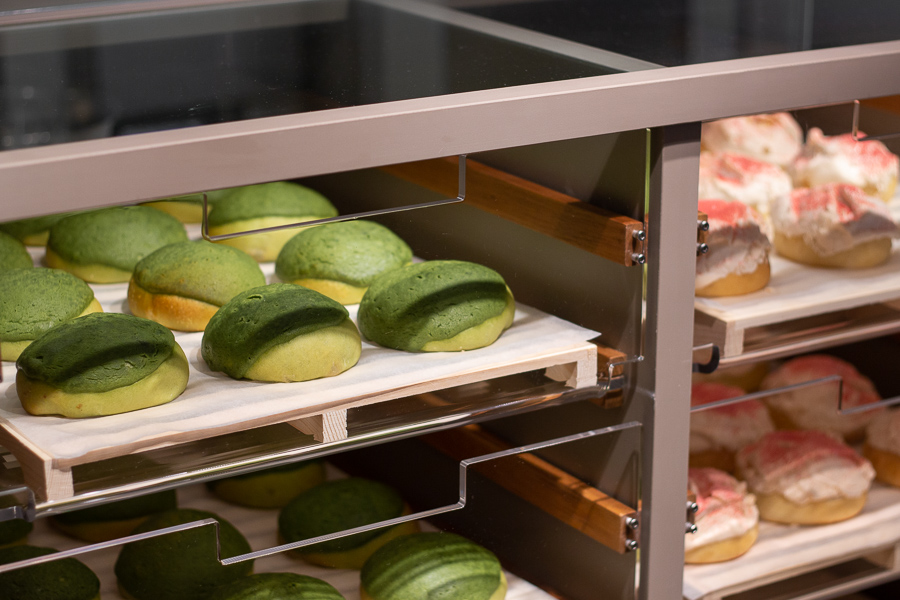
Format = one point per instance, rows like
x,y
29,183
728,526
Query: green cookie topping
x,y
14,530
277,586
260,318
297,466
123,510
204,271
431,565
335,506
182,565
13,254
97,353
278,199
116,237
23,228
32,301
64,579
409,307
354,252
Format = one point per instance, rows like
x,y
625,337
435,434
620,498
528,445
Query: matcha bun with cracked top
x,y
181,565
266,205
281,332
13,254
114,520
103,246
337,506
32,301
101,364
432,565
63,579
33,231
341,260
277,586
436,306
183,285
270,488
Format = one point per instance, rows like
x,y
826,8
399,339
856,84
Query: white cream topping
x,y
714,430
826,478
774,138
884,432
816,407
724,518
739,250
756,189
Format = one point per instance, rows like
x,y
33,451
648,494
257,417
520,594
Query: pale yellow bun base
x,y
778,509
783,420
722,551
270,490
323,353
887,464
37,239
886,194
91,273
186,212
163,385
355,558
862,256
748,378
336,290
716,459
99,531
12,350
734,284
499,594
479,336
175,312
264,247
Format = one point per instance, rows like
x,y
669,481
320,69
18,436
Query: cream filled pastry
x,y
816,406
882,447
738,258
734,177
834,225
774,138
841,159
727,522
805,477
717,433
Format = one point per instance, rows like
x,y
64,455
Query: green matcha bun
x,y
14,530
183,285
441,305
266,205
277,586
341,260
114,520
337,506
64,579
182,565
187,208
270,488
432,565
101,364
33,231
32,301
103,246
13,254
281,332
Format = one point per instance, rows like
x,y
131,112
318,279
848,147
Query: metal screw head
x,y
693,507
702,248
632,523
631,545
640,235
703,225
639,258
690,528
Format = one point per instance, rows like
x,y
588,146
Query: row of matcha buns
x,y
157,567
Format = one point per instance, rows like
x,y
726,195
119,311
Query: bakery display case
x,y
556,142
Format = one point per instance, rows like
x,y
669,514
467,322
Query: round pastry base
x,y
746,377
264,247
36,239
716,459
356,557
175,312
499,593
778,509
92,273
734,284
336,290
11,350
861,256
887,464
479,336
269,490
784,420
721,551
98,531
186,212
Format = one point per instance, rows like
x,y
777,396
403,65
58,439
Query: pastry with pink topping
x,y
718,433
836,225
775,138
805,477
882,447
841,159
734,177
727,522
738,258
816,406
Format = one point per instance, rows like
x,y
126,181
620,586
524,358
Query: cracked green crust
x,y
182,565
432,565
200,270
64,579
421,304
33,231
261,318
277,199
97,353
32,301
13,254
277,586
114,237
354,252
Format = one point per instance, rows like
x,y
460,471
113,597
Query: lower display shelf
x,y
260,527
783,551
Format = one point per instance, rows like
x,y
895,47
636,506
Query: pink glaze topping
x,y
857,389
705,393
787,450
727,213
846,201
870,154
726,509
